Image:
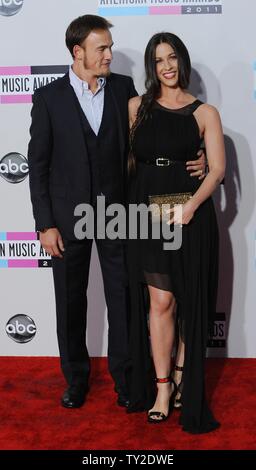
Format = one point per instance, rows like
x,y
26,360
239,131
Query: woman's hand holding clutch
x,y
182,214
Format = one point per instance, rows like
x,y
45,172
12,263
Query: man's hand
x,y
52,242
198,167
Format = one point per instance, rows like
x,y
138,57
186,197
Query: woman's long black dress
x,y
190,272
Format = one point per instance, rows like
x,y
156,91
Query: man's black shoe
x,y
74,396
122,398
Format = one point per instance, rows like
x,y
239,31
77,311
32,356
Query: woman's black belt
x,y
161,161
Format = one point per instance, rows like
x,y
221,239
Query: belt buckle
x,y
162,159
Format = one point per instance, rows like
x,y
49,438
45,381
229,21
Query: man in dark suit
x,y
77,151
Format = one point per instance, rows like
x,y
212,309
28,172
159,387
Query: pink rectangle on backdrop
x,y
21,236
19,70
14,99
22,263
165,10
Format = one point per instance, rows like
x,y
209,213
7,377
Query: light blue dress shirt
x,y
92,104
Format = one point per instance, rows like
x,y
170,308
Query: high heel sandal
x,y
177,404
160,416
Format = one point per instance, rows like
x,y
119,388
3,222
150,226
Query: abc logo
x,y
10,7
14,167
21,328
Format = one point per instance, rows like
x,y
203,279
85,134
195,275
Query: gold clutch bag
x,y
159,212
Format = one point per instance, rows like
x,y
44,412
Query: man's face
x,y
97,52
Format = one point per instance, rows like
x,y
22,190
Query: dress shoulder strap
x,y
193,106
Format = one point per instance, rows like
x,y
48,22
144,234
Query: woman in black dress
x,y
167,128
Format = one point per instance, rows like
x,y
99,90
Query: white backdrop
x,y
222,49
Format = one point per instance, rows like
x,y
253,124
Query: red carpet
x,y
32,418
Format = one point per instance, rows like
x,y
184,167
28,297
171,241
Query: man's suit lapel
x,y
117,105
69,106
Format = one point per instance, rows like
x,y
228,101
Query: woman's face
x,y
166,65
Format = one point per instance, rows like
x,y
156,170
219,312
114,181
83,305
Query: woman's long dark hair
x,y
152,83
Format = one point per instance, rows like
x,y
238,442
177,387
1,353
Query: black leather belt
x,y
161,161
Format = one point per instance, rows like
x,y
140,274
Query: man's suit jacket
x,y
59,166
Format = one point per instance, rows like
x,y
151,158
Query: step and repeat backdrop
x,y
220,36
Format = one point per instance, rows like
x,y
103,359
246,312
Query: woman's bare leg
x,y
162,332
